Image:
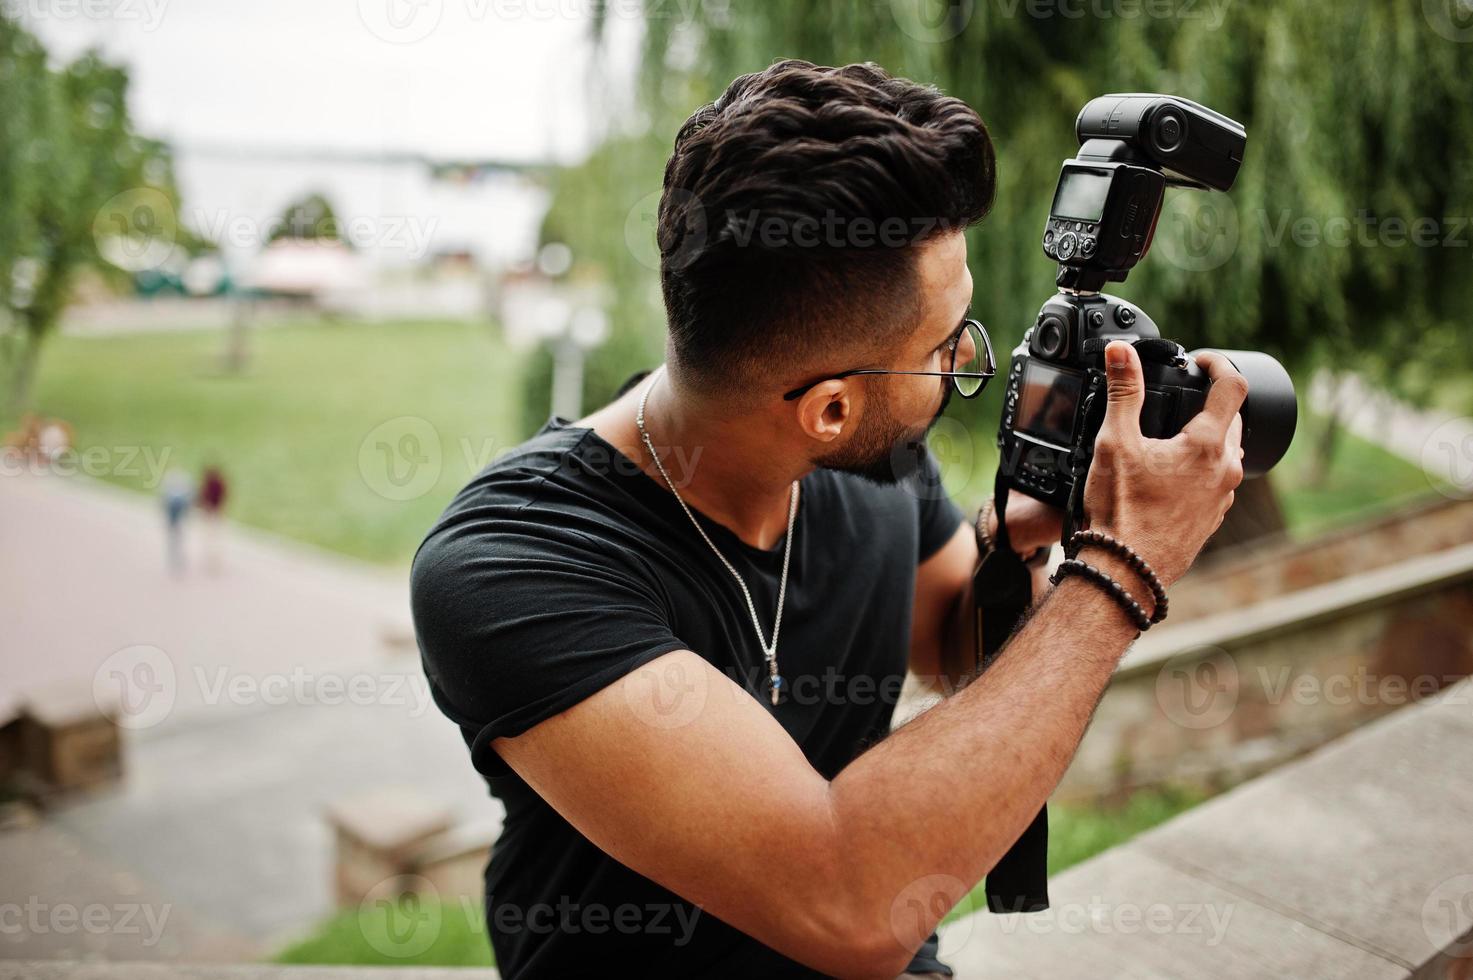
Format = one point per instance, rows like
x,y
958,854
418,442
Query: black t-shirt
x,y
562,567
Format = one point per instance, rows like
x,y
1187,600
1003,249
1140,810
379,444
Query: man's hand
x,y
1032,524
1165,497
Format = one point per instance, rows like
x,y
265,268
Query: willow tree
x,y
1342,245
75,180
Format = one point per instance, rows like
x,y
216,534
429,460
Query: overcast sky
x,y
500,79
458,77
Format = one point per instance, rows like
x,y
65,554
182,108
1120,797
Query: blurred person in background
x,y
212,493
176,493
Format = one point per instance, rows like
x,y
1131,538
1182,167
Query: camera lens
x,y
1052,336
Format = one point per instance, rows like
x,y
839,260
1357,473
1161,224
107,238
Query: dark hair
x,y
791,208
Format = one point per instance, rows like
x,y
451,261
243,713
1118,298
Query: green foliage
x,y
1359,124
311,218
74,176
409,934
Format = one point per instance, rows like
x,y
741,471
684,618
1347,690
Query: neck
x,y
729,466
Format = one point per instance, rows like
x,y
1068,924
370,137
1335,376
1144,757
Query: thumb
x,y
1125,386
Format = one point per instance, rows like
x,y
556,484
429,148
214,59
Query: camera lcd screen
x,y
1081,195
1049,398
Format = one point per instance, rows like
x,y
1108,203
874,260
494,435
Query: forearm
x,y
976,768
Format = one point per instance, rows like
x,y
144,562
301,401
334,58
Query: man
x,y
672,631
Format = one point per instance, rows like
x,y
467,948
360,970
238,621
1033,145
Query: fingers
x,y
1125,387
1227,394
1233,443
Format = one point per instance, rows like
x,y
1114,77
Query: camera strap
x,y
1002,590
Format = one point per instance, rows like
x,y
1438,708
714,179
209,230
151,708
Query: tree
x,y
310,218
82,188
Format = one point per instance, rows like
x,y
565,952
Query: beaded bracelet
x,y
1084,539
1116,591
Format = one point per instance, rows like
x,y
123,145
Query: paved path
x,y
253,698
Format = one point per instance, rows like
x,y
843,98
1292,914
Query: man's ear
x,y
826,409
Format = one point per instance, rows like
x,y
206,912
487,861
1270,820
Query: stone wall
x,y
1223,697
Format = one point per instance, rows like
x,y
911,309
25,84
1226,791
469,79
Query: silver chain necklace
x,y
769,651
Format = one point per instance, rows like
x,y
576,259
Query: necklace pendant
x,y
775,688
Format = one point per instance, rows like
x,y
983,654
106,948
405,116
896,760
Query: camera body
x,y
1100,225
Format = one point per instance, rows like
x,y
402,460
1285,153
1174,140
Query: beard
x,y
885,451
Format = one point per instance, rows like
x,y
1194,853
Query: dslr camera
x,y
1100,225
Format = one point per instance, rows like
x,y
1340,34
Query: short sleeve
x,y
938,516
518,621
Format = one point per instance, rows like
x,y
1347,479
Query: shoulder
x,y
538,516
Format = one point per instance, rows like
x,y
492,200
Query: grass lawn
x,y
454,934
307,434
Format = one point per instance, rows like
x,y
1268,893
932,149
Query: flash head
x,y
1194,146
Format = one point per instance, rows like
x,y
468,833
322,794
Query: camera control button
x,y
1087,246
1066,246
1124,316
